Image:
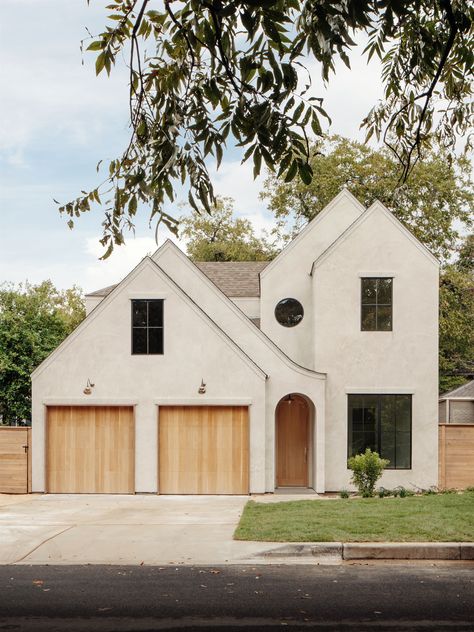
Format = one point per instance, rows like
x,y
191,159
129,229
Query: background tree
x,y
34,319
217,72
456,319
222,237
434,203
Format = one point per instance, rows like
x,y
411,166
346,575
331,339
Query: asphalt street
x,y
344,597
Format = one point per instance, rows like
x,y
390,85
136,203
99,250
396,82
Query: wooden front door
x,y
203,450
292,442
90,450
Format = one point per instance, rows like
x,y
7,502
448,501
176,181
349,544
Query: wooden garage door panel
x,y
90,449
203,450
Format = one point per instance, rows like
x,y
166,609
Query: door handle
x,y
305,454
25,447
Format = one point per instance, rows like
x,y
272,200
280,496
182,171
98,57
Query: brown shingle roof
x,y
234,278
466,390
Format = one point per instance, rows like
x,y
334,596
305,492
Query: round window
x,y
289,312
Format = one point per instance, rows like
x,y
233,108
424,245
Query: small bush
x,y
469,489
366,469
382,492
430,491
403,492
344,493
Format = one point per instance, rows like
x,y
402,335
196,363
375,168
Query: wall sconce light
x,y
89,387
202,388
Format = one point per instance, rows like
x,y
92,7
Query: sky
x,y
57,120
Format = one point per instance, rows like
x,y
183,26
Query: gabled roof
x,y
254,327
148,261
234,278
343,194
466,391
376,206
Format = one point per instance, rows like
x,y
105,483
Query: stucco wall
x,y
401,361
289,277
194,349
284,375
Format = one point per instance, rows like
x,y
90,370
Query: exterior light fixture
x,y
289,399
202,388
89,387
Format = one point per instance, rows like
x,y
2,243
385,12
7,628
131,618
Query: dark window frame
x,y
376,305
296,304
379,426
147,327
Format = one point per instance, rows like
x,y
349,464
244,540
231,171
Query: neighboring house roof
x,y
105,291
466,391
234,278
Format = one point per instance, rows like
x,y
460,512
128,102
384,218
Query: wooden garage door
x,y
203,450
90,449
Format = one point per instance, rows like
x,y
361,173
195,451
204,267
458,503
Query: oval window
x,y
289,312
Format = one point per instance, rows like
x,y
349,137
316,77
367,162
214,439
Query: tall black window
x,y
147,326
383,424
376,308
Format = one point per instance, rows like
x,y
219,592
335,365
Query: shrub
x,y
366,469
429,492
469,489
344,493
403,492
382,492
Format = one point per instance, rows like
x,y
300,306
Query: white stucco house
x,y
247,377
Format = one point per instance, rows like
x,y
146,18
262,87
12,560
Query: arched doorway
x,y
293,441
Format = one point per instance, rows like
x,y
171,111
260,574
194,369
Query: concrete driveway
x,y
105,529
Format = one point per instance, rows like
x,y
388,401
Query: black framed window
x,y
376,304
147,327
383,424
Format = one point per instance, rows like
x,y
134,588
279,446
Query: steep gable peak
x,y
374,208
344,197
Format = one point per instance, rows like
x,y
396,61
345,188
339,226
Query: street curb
x,y
451,551
315,549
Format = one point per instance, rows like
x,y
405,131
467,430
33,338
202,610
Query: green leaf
x,y
291,173
100,63
97,45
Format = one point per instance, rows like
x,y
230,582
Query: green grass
x,y
436,518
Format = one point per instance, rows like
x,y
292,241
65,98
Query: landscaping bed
x,y
445,517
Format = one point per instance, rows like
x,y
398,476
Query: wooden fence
x,y
15,461
456,456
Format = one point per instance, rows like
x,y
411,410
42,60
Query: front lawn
x,y
435,518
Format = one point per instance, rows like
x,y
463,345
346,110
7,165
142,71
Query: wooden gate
x,y
15,462
456,456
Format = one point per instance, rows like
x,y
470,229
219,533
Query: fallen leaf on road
x,y
38,582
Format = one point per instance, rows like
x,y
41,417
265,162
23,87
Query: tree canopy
x,y
34,319
221,236
217,73
456,319
435,203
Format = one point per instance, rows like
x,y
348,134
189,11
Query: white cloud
x,y
100,273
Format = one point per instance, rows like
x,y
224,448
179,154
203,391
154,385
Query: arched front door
x,y
292,442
